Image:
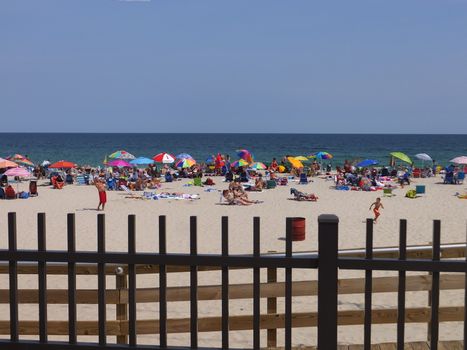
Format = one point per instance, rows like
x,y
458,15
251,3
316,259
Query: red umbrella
x,y
164,158
63,164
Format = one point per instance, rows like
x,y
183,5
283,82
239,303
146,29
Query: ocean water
x,y
92,148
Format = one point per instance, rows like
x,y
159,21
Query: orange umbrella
x,y
63,164
5,163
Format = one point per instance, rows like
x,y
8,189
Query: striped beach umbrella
x,y
5,163
20,159
185,163
258,166
121,155
321,155
239,163
165,158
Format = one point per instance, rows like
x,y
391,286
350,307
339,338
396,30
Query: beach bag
x,y
209,182
23,195
411,194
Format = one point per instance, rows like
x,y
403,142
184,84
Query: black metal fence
x,y
327,262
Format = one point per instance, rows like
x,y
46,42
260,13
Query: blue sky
x,y
234,66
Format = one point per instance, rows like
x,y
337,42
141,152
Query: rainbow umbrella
x,y
245,155
5,163
165,158
185,163
20,159
239,163
120,163
258,166
122,155
63,164
321,155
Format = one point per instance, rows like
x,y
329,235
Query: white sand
x,y
350,206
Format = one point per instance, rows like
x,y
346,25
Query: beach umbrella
x,y
121,155
424,157
239,163
5,163
402,156
210,159
366,163
165,158
21,172
459,160
321,155
258,166
184,156
295,162
245,154
120,163
62,164
185,163
301,158
45,163
20,159
141,161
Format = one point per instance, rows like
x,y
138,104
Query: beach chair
x,y
420,189
271,184
417,173
387,192
303,179
69,179
80,180
449,178
460,177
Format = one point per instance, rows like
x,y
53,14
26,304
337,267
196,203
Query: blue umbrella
x,y
142,161
211,160
184,156
367,162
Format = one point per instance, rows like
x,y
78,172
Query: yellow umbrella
x,y
295,162
301,158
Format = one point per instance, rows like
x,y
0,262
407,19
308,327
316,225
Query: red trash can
x,y
298,229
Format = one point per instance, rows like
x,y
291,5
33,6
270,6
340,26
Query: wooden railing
x,y
272,290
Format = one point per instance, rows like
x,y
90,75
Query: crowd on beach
x,y
240,176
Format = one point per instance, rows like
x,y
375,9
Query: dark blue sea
x,y
92,148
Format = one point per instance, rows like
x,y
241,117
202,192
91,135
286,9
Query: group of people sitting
x,y
236,194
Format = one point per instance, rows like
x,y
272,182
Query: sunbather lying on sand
x,y
300,196
230,197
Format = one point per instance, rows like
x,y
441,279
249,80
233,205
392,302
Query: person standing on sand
x,y
377,205
100,185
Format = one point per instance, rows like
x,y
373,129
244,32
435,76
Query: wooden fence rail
x,y
126,326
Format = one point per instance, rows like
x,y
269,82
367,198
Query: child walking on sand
x,y
100,185
377,205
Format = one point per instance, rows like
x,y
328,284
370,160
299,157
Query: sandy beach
x,y
352,208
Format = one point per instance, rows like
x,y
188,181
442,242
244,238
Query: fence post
x,y
272,308
327,281
121,284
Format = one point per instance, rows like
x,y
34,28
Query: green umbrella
x,y
402,156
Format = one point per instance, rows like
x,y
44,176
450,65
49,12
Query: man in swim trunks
x,y
377,205
100,185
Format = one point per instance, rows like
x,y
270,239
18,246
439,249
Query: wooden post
x,y
121,282
272,308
